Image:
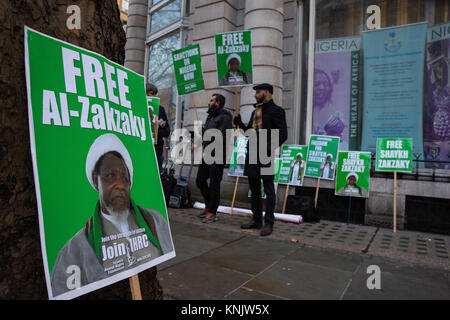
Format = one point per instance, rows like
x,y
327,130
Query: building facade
x,y
301,75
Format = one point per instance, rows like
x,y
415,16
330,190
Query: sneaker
x,y
203,213
252,225
267,230
209,217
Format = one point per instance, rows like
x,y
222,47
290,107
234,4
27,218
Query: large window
x,y
361,89
166,15
166,28
161,74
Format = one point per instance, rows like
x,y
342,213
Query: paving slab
x,y
344,261
245,293
188,247
196,280
248,254
399,281
418,247
293,279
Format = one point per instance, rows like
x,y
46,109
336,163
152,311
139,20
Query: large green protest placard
x,y
394,154
321,159
293,164
353,174
187,65
237,161
153,112
102,214
234,59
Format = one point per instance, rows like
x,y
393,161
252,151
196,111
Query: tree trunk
x,y
22,272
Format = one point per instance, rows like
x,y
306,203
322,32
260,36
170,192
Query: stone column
x,y
265,19
136,32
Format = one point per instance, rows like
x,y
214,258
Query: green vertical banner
x,y
336,90
394,154
187,65
153,112
237,161
322,156
102,214
234,59
353,174
293,164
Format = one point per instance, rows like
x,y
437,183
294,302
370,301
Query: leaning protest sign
x,y
102,214
293,164
237,160
188,69
353,174
234,59
153,112
321,158
394,154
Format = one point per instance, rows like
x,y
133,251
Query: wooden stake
x,y
135,288
395,201
234,195
317,193
236,100
285,198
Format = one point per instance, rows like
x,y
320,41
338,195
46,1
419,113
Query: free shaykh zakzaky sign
x,y
394,154
102,213
353,174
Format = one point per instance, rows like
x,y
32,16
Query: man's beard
x,y
261,99
122,213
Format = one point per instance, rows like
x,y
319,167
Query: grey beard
x,y
111,211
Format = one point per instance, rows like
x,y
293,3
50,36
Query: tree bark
x,y
22,272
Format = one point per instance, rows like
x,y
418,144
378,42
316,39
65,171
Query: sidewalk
x,y
326,260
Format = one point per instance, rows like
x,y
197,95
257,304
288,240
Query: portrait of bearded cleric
x,y
119,234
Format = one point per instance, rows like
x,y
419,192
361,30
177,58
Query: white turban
x,y
352,174
103,144
235,56
330,155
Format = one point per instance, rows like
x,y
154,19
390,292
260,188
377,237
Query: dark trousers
x,y
211,192
269,190
159,156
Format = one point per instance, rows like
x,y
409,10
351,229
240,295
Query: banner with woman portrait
x,y
436,122
336,90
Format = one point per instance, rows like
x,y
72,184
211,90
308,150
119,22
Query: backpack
x,y
302,205
168,181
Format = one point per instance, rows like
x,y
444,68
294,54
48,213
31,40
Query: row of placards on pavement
x,y
322,159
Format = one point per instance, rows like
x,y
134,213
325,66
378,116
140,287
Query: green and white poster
x,y
187,65
353,174
394,154
322,156
234,59
153,112
237,160
277,170
293,164
102,214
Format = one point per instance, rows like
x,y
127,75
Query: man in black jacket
x,y
163,126
267,115
218,118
